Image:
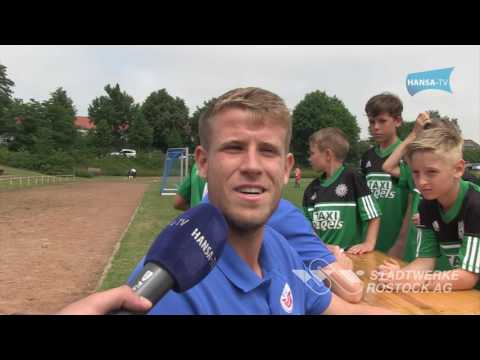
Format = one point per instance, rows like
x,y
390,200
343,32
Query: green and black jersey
x,y
406,181
337,206
455,233
391,198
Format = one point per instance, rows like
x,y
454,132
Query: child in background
x,y
339,201
449,217
384,113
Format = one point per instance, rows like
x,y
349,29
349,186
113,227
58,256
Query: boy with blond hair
x,y
449,214
339,202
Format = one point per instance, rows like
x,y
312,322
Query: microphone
x,y
182,254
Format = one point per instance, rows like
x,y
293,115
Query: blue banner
x,y
429,80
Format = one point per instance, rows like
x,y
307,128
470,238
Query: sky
x,y
353,73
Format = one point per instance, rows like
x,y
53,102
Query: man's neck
x,y
332,169
388,142
247,245
448,200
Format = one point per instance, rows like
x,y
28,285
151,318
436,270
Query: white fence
x,y
20,181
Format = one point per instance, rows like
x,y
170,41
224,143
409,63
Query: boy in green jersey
x,y
191,191
338,202
384,113
449,217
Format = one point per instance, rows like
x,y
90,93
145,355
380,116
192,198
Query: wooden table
x,y
455,302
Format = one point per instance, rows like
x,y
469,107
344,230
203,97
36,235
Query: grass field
x,y
154,213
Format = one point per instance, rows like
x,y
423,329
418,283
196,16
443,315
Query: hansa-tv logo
x,y
429,80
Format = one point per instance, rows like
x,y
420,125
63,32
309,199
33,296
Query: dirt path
x,y
55,241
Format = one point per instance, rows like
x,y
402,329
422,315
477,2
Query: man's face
x,y
246,167
383,127
435,176
317,158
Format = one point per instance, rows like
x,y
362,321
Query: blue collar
x,y
240,274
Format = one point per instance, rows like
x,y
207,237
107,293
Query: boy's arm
x,y
398,249
368,211
419,274
370,239
416,274
392,164
413,274
457,279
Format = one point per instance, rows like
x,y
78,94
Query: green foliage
x,y
318,110
103,138
194,120
168,118
140,134
471,155
115,111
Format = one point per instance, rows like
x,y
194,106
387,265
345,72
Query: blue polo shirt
x,y
289,221
233,288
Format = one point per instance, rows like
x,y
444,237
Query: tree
x,y
140,134
103,137
60,114
194,120
32,131
168,117
316,111
117,109
5,100
5,84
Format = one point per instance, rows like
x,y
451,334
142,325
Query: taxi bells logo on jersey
x,y
327,220
429,80
381,189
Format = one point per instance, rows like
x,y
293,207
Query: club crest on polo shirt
x,y
341,190
368,164
435,226
286,299
313,197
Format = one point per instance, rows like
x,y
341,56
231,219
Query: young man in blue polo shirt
x,y
246,165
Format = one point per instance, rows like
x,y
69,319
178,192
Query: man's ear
x,y
201,160
290,161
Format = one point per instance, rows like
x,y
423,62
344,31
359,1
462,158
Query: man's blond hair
x,y
444,140
262,104
333,139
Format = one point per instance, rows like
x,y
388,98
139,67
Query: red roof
x,y
84,122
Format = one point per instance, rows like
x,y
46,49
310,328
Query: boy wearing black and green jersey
x,y
339,202
398,168
449,217
384,113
